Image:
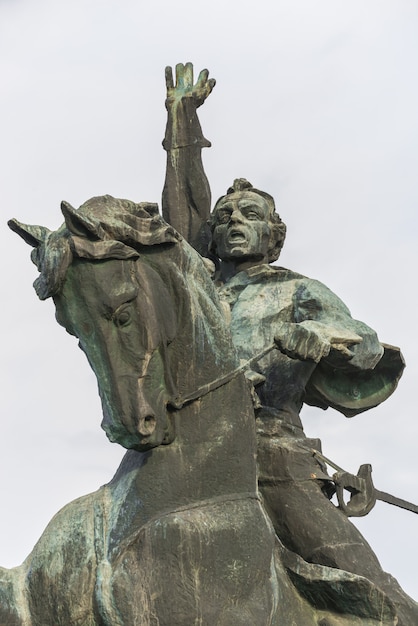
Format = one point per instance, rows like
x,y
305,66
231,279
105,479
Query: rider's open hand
x,y
312,341
184,87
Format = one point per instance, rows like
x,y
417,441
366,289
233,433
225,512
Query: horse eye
x,y
122,317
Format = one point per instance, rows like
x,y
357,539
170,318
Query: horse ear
x,y
33,235
76,223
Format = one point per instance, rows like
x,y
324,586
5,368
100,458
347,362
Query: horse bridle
x,y
180,401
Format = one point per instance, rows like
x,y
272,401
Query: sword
x,y
363,492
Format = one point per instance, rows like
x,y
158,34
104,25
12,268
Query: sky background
x,y
315,102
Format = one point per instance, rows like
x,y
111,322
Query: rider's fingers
x,y
169,77
179,74
343,349
349,339
204,83
313,348
188,74
202,79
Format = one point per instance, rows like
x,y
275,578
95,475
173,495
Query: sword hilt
x,y
363,493
361,488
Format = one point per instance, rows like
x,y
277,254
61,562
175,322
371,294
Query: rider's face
x,y
242,227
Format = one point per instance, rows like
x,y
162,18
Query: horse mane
x,y
102,228
110,228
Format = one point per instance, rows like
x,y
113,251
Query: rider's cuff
x,y
183,127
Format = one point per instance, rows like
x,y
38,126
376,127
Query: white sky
x,y
315,102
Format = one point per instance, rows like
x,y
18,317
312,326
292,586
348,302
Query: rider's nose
x,y
236,216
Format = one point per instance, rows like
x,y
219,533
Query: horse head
x,y
143,307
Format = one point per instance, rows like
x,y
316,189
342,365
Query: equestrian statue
x,y
204,354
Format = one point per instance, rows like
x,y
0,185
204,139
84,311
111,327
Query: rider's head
x,y
245,225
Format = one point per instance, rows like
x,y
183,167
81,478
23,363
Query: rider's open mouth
x,y
236,236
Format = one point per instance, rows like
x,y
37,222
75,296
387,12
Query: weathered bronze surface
x,y
216,516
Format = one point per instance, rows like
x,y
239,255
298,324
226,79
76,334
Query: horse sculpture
x,y
179,537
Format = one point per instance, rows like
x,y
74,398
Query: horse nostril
x,y
147,425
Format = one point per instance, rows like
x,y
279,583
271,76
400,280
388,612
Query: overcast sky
x,y
315,102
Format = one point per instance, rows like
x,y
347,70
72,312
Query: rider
x,y
326,358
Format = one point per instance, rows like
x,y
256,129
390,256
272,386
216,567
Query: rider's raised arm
x,y
186,194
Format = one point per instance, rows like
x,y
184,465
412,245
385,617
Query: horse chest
x,y
203,555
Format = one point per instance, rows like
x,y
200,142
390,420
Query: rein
x,y
179,402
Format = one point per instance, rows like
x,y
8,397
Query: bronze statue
x,y
181,536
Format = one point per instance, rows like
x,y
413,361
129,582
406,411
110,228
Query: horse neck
x,y
213,453
216,436
212,458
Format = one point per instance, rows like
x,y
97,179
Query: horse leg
x,y
13,606
56,584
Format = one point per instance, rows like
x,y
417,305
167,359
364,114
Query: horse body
x,y
179,536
